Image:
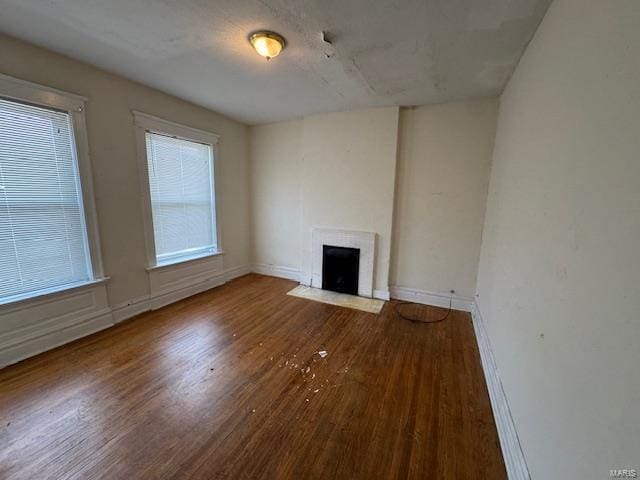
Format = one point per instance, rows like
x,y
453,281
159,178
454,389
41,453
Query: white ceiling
x,y
384,52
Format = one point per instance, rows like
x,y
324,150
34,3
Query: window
x,y
44,245
180,172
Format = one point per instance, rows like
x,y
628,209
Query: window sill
x,y
42,294
181,260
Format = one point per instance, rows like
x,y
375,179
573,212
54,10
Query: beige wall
x,y
113,158
559,279
444,159
559,276
348,175
276,172
333,170
337,170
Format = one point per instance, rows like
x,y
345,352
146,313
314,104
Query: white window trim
x,y
144,122
74,105
27,299
184,259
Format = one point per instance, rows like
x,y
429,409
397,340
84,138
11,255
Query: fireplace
x,y
340,269
363,242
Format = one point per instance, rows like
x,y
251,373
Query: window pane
x,y
180,180
42,233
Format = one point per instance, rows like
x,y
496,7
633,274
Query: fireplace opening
x,y
340,267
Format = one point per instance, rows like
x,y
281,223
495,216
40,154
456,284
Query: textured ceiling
x,y
400,52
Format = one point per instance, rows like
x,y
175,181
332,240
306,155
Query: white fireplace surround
x,y
365,241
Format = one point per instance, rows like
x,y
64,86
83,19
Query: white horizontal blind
x,y
43,242
181,185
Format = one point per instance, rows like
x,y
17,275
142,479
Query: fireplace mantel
x,y
365,241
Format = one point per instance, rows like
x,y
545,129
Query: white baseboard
x,y
131,308
235,272
436,299
277,271
41,323
297,275
511,450
136,306
164,299
381,294
49,341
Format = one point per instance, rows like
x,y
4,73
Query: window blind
x,y
43,243
181,185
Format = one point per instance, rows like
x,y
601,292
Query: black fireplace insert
x,y
340,267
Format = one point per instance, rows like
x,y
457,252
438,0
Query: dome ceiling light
x,y
267,44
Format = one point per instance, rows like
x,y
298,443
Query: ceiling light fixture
x,y
267,44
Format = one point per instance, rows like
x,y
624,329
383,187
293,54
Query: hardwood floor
x,y
228,384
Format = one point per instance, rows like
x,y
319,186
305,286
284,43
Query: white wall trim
x,y
364,241
278,271
143,123
511,450
138,305
436,299
235,272
33,326
131,308
51,320
74,106
151,122
175,282
381,294
190,289
32,347
297,275
19,89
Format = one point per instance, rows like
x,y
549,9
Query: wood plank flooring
x,y
228,385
